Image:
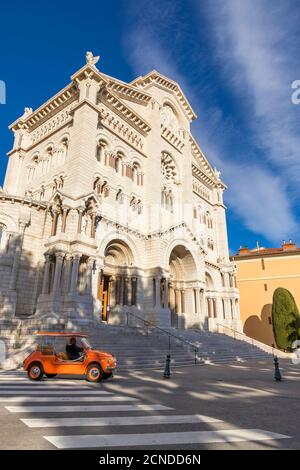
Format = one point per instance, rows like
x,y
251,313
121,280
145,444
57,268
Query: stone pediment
x,y
155,78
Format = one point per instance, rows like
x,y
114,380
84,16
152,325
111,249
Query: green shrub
x,y
285,319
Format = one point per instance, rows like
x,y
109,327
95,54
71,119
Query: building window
x,y
265,287
101,149
263,264
270,320
3,237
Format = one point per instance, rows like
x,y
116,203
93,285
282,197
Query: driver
x,y
73,350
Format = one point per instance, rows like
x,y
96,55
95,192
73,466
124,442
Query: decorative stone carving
x,y
91,59
169,119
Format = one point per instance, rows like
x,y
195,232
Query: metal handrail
x,y
252,341
166,332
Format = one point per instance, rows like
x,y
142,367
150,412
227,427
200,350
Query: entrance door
x,y
104,295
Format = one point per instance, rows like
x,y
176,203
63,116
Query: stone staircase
x,y
140,348
135,349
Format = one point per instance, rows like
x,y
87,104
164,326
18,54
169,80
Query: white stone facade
x,y
109,206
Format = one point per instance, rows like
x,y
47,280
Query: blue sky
x,y
235,60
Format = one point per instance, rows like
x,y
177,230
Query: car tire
x,y
50,376
94,373
35,371
106,375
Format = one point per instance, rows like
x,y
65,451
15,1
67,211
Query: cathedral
x,y
110,212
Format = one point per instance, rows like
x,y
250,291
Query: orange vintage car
x,y
68,354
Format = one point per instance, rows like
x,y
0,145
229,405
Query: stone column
x,y
112,291
89,275
129,291
214,303
157,292
16,263
121,290
208,307
57,274
198,301
166,302
45,288
64,219
67,273
74,275
54,222
93,228
80,214
182,295
178,301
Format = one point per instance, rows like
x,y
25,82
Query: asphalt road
x,y
237,406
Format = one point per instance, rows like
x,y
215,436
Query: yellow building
x,y
259,273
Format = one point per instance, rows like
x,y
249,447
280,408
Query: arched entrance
x,y
184,294
117,283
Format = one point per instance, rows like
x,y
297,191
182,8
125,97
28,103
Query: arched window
x,y
32,168
50,153
119,162
137,176
3,237
104,189
62,151
120,196
100,151
133,203
97,185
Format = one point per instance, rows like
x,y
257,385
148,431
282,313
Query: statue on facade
x,y
27,112
217,173
91,59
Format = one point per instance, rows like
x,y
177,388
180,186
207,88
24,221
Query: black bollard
x,y
277,375
167,372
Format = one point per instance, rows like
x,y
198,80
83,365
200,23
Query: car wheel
x,y
94,373
106,375
50,376
35,371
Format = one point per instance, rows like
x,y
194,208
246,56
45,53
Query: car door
x,y
66,366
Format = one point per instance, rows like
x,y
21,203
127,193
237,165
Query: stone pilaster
x,y
45,288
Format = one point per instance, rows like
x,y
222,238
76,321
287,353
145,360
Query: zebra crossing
x,y
96,417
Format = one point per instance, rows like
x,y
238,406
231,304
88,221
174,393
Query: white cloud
x,y
257,46
256,194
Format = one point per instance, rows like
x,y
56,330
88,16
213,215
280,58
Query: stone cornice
x,y
52,106
23,200
112,101
207,170
129,92
161,80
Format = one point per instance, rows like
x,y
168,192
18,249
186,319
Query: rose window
x,y
168,169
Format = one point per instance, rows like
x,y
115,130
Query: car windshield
x,y
85,342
